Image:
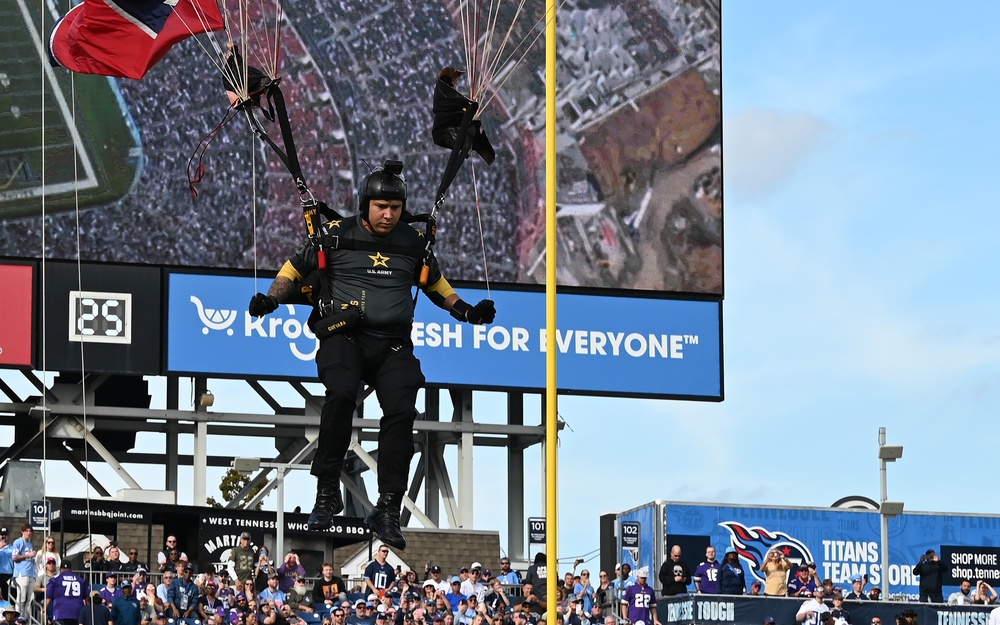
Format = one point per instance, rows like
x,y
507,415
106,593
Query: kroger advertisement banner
x,y
607,345
842,543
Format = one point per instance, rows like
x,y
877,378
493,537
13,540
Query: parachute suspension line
x,y
481,72
492,64
482,238
496,89
253,186
466,35
79,286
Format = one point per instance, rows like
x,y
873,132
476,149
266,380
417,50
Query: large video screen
x,y
639,144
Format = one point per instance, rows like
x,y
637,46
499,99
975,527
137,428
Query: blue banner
x,y
607,345
644,520
842,543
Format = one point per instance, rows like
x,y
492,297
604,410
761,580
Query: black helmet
x,y
385,182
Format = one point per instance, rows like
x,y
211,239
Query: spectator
x,y
623,579
133,565
42,579
49,551
289,571
931,571
802,585
875,594
535,582
298,596
66,593
183,594
209,602
984,594
163,590
147,613
272,592
732,580
775,571
496,600
125,610
838,610
114,557
994,617
242,557
24,569
706,574
583,591
163,558
379,574
93,612
962,596
330,588
604,594
455,597
639,604
269,613
361,615
756,587
110,591
675,574
857,589
6,563
174,564
811,611
337,617
264,568
473,584
506,575
153,598
440,584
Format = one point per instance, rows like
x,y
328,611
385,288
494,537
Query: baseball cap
x,y
456,579
111,574
245,535
126,584
486,573
20,619
141,570
463,570
369,605
643,572
412,596
429,582
188,567
3,530
856,578
475,565
50,560
769,619
381,616
803,567
359,603
161,615
211,584
439,619
618,566
66,564
373,598
435,569
274,576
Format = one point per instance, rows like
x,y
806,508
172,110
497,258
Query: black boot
x,y
383,520
329,503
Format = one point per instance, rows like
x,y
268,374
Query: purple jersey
x,y
640,599
67,591
707,576
795,584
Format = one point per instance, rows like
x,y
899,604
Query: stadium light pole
x,y
887,454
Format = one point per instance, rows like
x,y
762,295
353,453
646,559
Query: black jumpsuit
x,y
379,352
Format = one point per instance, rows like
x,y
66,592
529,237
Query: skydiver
x,y
363,317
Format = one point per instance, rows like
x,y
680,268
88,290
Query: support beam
x,y
81,469
103,452
515,482
297,458
370,461
466,466
200,486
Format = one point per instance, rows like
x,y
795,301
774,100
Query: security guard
x,y
363,317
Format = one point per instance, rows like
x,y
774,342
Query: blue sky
x,y
861,227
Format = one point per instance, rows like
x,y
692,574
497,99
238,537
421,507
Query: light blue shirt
x,y
26,567
7,560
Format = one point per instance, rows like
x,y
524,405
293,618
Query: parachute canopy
x,y
124,38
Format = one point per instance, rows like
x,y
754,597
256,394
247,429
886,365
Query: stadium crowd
x,y
114,586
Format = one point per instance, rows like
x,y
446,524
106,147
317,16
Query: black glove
x,y
261,304
483,312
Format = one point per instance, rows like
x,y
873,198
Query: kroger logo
x,y
274,326
214,318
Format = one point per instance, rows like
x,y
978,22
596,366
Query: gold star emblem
x,y
334,223
379,260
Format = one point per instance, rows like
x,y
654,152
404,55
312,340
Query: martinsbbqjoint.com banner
x,y
606,345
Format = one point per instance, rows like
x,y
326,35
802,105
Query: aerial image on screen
x,y
150,171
